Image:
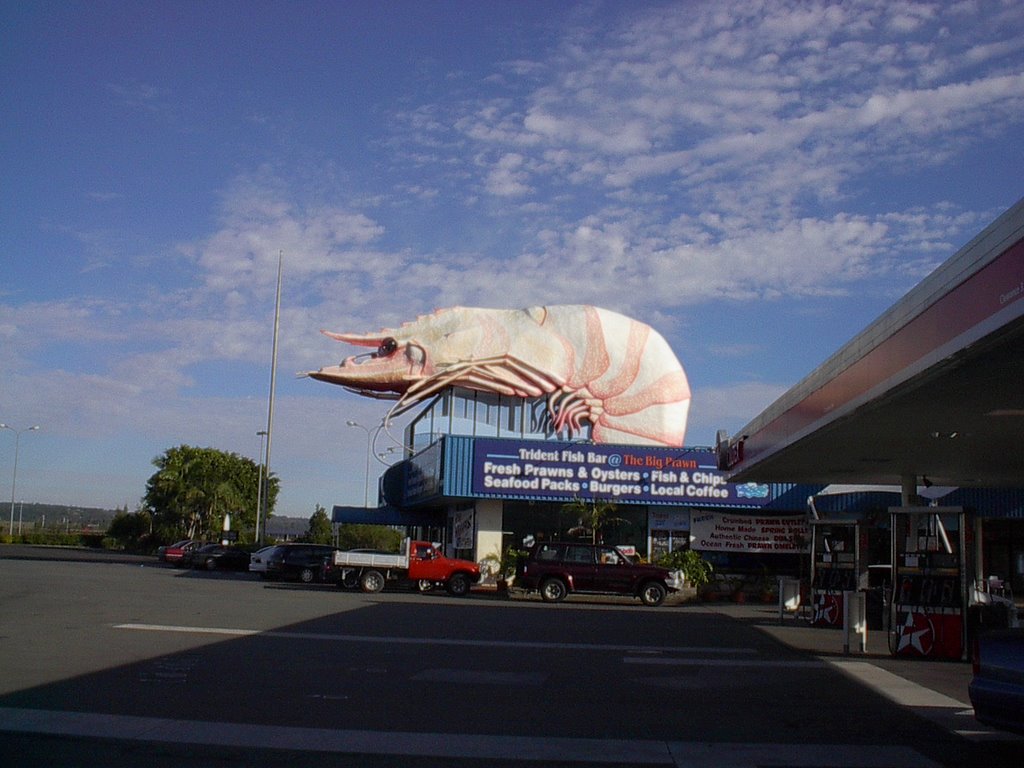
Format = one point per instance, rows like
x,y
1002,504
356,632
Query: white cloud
x,y
507,178
693,95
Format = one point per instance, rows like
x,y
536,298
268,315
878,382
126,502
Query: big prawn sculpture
x,y
593,365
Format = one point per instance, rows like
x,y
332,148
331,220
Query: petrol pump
x,y
930,576
837,566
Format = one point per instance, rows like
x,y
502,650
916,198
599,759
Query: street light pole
x,y
259,489
369,450
14,479
273,387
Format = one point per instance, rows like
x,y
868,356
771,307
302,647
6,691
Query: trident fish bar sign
x,y
566,471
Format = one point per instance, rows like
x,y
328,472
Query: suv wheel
x,y
652,593
306,575
458,585
553,590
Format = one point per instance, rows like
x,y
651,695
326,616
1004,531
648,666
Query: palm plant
x,y
593,517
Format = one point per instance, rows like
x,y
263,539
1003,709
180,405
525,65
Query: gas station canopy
x,y
932,390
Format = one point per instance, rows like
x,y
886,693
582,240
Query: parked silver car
x,y
258,560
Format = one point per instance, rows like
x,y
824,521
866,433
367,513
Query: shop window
x,y
1003,552
465,412
514,423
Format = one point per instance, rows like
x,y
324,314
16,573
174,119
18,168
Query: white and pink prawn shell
x,y
592,364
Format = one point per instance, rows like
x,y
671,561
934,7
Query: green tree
x,y
320,530
193,488
360,536
593,517
130,530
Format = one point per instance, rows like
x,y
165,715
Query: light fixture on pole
x,y
259,488
14,478
382,456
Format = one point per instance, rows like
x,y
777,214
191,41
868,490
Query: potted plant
x,y
503,568
695,569
738,594
768,587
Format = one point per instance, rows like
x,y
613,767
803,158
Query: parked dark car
x,y
174,553
258,560
302,562
557,568
213,557
997,689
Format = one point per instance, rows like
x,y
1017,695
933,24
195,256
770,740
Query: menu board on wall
x,y
724,532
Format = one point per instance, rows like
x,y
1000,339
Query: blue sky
x,y
758,181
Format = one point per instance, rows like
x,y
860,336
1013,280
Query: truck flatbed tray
x,y
370,559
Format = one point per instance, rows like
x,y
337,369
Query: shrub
x,y
363,536
696,570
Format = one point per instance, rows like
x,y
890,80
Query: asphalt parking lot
x,y
121,661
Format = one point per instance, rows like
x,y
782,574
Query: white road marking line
x,y
479,677
677,754
639,649
693,755
679,662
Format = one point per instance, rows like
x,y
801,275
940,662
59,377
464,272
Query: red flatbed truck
x,y
419,563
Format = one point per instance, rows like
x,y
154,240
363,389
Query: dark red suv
x,y
557,568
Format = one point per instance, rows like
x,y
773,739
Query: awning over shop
x,y
386,516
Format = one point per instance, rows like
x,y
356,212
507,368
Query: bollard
x,y
854,620
789,596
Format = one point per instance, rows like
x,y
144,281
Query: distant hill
x,y
71,518
287,527
58,515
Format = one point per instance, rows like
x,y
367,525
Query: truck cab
x,y
428,567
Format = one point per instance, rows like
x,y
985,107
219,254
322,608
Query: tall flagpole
x,y
270,409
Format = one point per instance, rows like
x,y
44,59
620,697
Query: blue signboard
x,y
635,474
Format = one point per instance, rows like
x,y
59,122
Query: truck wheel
x,y
552,590
652,593
306,575
349,580
372,581
458,585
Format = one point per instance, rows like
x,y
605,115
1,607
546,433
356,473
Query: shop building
x,y
486,472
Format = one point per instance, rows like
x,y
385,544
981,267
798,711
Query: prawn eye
x,y
387,347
